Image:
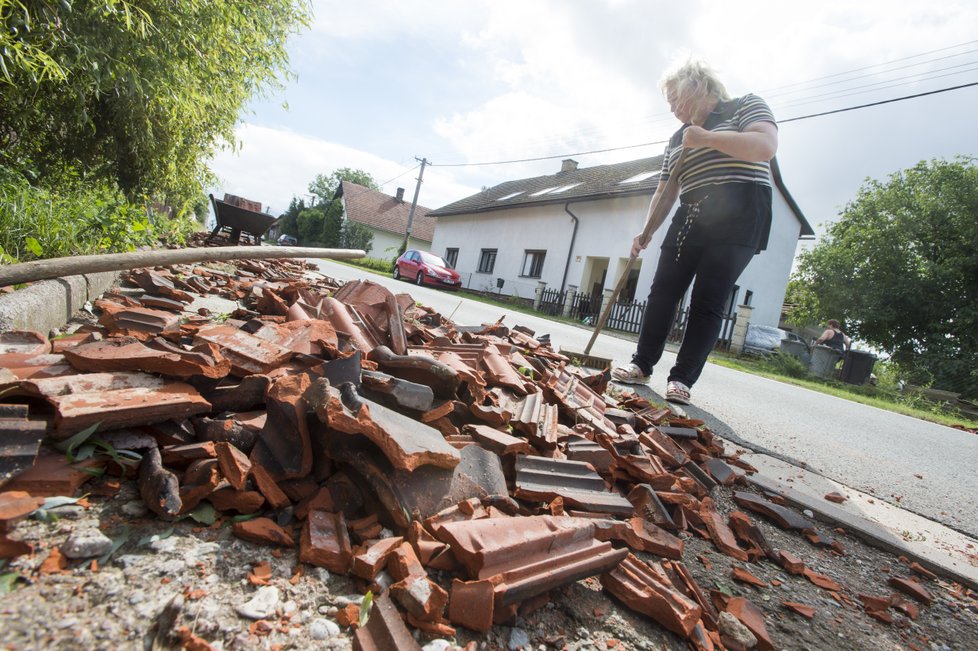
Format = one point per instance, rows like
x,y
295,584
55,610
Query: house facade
x,y
387,218
574,229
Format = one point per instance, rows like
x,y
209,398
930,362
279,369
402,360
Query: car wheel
x,y
420,278
397,273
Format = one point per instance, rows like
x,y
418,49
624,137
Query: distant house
x,y
575,227
387,218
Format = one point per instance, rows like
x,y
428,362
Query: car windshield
x,y
432,259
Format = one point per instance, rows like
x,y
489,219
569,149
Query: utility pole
x,y
414,205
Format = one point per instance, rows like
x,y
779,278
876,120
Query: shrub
x,y
782,364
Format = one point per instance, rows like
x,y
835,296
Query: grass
x,y
882,398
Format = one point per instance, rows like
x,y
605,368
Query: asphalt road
x,y
919,466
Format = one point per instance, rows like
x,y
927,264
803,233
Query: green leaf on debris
x,y
204,513
368,600
69,445
148,540
43,512
117,542
243,518
7,582
723,588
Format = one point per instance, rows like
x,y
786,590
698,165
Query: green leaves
x,y
900,268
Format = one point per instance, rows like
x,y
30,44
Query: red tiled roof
x,y
383,212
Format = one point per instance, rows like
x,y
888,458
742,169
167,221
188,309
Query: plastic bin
x,y
857,366
824,360
796,349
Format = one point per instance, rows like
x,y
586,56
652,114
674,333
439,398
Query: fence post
x,y
740,329
538,295
565,310
605,302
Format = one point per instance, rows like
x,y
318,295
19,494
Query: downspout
x,y
570,251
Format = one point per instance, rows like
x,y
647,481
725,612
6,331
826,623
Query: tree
x,y
310,226
289,223
325,187
357,236
140,93
900,268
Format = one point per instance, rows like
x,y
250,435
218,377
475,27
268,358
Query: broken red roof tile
x,y
139,322
160,284
25,342
284,446
421,597
471,604
263,531
782,516
309,337
923,571
384,630
750,536
248,354
497,441
803,610
21,366
542,479
52,475
791,563
325,542
235,465
821,580
10,548
647,589
20,440
648,505
266,484
742,575
720,533
838,498
158,487
405,442
640,535
751,617
15,506
229,499
420,368
911,588
368,562
130,354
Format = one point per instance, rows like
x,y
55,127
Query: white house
x,y
387,218
574,229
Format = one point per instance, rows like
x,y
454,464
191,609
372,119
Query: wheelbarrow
x,y
237,225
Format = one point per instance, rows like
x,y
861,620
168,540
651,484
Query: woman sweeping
x,y
724,218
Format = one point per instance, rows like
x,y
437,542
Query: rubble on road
x,y
475,467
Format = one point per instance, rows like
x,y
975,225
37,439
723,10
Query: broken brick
x,y
325,542
802,609
372,559
911,588
234,465
742,575
263,531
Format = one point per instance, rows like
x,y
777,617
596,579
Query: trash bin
x,y
824,360
796,349
858,366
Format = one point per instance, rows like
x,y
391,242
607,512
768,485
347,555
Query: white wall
x,y
386,244
606,228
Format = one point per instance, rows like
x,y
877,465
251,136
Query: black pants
x,y
716,269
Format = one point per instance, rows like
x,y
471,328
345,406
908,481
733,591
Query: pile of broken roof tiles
x,y
394,441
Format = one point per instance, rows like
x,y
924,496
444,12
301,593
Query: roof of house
x,y
383,212
587,183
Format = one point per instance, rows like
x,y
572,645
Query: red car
x,y
425,268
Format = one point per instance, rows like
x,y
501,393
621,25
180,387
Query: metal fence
x,y
625,316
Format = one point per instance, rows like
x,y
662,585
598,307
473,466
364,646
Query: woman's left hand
x,y
695,136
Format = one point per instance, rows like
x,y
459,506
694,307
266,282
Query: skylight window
x,y
639,177
545,191
565,188
510,195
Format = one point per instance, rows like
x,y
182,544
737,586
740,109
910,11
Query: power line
x,y
660,142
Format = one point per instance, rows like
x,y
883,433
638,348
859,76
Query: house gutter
x,y
570,251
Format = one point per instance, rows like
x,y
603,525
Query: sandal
x,y
677,392
630,374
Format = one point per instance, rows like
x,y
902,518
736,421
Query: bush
x,y
374,264
36,223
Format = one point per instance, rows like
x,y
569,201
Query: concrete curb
x,y
49,304
863,529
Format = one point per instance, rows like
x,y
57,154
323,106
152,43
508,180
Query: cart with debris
x,y
237,223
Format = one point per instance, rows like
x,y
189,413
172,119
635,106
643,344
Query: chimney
x,y
568,165
400,195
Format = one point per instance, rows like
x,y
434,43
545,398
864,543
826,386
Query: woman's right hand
x,y
638,246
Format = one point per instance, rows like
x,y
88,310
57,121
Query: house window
x,y
451,257
487,261
748,297
533,263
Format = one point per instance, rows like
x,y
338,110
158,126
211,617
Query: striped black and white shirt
x,y
705,166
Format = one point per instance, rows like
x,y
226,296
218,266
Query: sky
x,y
379,85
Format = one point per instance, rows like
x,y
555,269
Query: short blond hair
x,y
694,77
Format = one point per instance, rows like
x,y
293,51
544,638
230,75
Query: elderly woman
x,y
724,218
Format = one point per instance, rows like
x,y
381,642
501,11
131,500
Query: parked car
x,y
764,340
287,240
424,268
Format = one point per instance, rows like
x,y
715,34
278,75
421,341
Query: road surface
x,y
926,468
